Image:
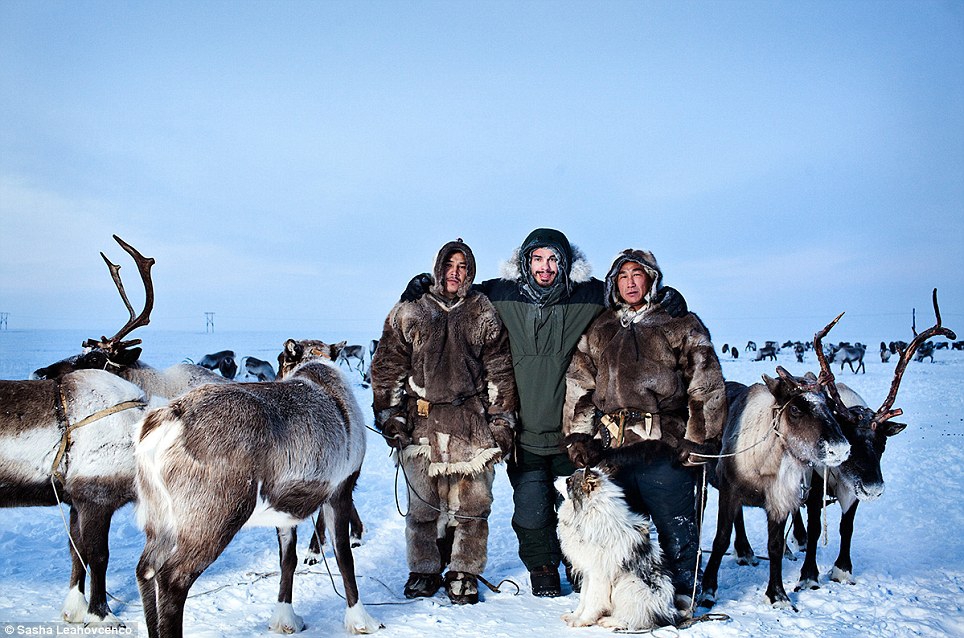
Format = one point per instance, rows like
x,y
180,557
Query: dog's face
x,y
581,486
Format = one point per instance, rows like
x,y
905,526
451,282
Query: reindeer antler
x,y
885,413
144,265
826,374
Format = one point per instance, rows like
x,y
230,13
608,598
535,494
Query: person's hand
x,y
396,432
671,301
583,449
692,454
418,286
503,435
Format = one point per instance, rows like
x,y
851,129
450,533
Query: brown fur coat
x,y
454,354
646,361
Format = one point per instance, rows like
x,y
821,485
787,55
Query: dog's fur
x,y
624,583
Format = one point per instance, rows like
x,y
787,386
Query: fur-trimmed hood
x,y
572,260
645,259
438,288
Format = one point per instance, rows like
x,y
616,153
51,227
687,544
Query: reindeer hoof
x,y
285,620
748,560
807,583
312,559
75,606
838,575
355,542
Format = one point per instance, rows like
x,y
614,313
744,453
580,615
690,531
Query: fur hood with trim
x,y
580,271
645,259
438,271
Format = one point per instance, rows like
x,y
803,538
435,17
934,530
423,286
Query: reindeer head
x,y
294,353
866,429
111,353
804,420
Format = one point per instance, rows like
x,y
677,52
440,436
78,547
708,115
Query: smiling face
x,y
633,283
544,266
455,271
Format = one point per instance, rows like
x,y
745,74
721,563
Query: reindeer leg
x,y
809,572
776,594
741,543
317,542
75,606
285,620
357,527
726,514
799,531
357,619
94,523
843,568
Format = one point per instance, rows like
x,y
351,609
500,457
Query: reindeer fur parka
x,y
454,355
646,361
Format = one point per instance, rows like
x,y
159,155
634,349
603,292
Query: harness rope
x,y
61,454
408,484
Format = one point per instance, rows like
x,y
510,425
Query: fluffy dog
x,y
624,583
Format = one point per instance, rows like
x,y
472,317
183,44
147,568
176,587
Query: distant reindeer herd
x,y
203,454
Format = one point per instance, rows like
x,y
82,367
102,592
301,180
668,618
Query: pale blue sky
x,y
291,164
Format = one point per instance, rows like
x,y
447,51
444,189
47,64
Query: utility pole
x,y
208,322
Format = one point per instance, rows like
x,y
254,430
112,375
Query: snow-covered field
x,y
908,546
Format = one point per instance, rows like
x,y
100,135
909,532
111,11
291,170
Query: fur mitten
x,y
583,449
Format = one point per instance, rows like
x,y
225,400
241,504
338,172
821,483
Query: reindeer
x,y
261,370
70,441
926,350
799,350
119,357
849,354
353,352
249,454
773,433
766,352
884,353
860,476
222,361
957,345
750,345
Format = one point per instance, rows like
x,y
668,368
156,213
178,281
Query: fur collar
x,y
581,270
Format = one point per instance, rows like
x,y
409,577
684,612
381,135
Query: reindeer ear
x,y
291,348
772,384
890,428
127,356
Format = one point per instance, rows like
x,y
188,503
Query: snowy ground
x,y
908,547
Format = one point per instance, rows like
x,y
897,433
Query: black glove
x,y
583,449
689,453
417,287
672,301
396,432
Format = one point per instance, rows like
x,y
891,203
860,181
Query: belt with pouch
x,y
423,407
613,426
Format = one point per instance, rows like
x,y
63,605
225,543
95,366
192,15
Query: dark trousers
x,y
665,491
536,501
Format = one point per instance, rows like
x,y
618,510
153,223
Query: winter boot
x,y
462,588
545,581
422,585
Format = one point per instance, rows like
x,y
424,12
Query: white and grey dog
x,y
624,583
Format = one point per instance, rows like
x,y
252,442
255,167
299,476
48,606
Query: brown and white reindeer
x,y
774,432
860,477
121,357
222,457
70,440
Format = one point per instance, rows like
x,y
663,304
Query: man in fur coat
x,y
645,391
445,397
546,298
